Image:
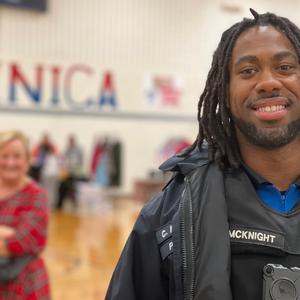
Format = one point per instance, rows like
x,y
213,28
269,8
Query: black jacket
x,y
152,264
180,247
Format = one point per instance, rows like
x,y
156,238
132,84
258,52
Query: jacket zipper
x,y
187,242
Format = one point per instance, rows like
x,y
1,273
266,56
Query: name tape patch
x,y
256,236
166,249
164,240
164,233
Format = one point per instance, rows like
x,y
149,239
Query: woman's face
x,y
14,161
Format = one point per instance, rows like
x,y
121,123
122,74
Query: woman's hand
x,y
6,231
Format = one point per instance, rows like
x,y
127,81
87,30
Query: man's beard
x,y
270,138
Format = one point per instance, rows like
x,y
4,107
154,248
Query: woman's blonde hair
x,y
11,135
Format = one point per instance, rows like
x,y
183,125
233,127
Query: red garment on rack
x,y
96,158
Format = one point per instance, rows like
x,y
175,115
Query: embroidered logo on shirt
x,y
254,236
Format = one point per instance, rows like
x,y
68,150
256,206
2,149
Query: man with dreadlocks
x,y
232,206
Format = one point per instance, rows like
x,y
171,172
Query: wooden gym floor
x,y
83,248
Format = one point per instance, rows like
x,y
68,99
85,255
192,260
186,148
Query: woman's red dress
x,y
27,212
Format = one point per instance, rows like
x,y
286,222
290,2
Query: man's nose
x,y
267,82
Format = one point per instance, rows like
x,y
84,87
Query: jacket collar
x,y
186,163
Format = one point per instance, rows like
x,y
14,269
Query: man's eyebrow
x,y
285,54
246,58
278,56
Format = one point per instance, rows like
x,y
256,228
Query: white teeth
x,y
272,108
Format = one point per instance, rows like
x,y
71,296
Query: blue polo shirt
x,y
280,201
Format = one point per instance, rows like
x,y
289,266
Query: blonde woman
x,y
23,223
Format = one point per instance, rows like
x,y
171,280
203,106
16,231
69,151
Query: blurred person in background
x,y
23,223
44,167
70,171
39,156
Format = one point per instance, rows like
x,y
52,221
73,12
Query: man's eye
x,y
247,71
286,67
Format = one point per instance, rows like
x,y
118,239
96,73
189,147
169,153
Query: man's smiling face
x,y
264,89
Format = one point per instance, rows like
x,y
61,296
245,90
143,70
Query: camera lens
x,y
283,289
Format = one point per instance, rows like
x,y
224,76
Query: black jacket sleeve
x,y
139,274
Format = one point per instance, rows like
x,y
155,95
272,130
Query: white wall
x,y
133,38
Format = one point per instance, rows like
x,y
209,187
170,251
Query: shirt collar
x,y
297,181
257,179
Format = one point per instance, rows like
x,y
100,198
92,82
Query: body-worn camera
x,y
281,283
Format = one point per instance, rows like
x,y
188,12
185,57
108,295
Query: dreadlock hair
x,y
214,118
